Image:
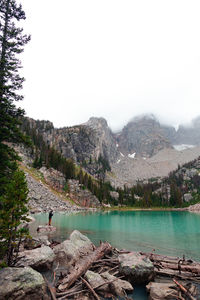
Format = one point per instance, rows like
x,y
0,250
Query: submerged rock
x,y
137,267
22,283
40,258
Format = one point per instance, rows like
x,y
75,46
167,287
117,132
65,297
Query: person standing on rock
x,y
50,217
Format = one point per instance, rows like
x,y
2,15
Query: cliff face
x,y
143,136
85,143
189,134
143,149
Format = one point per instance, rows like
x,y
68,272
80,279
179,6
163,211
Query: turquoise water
x,y
168,232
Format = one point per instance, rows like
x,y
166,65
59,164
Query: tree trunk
x,y
83,265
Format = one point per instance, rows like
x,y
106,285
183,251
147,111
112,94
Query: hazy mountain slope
x,y
143,136
189,134
128,170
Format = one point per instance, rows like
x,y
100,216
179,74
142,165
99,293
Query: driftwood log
x,y
174,266
105,259
83,265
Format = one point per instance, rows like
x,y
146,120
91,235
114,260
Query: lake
x,y
168,232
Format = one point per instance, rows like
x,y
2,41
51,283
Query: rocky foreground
x,y
76,269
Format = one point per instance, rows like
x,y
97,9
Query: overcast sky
x,y
111,58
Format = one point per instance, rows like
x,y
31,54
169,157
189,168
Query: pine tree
x,y
11,45
12,213
13,189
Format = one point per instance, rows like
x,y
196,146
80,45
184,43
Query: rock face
x,y
80,196
22,283
39,258
189,134
143,136
54,178
82,142
137,267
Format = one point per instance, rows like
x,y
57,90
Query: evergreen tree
x,y
11,44
12,214
13,190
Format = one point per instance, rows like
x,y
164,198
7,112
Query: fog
x,y
112,59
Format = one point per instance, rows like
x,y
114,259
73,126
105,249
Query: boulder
x,y
136,267
46,228
163,291
39,259
118,286
43,240
81,242
66,253
69,251
22,283
95,280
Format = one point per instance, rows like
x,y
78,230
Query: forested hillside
x,y
179,189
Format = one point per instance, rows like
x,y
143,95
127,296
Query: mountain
x,y
189,134
82,143
143,136
142,150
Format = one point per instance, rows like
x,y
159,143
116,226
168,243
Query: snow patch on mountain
x,y
132,155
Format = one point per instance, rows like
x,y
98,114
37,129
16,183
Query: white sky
x,y
112,58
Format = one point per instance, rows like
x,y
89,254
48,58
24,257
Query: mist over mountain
x,y
144,148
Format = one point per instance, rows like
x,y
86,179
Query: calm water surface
x,y
168,232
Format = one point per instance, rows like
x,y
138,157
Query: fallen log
x,y
183,275
189,268
71,295
90,288
184,290
83,265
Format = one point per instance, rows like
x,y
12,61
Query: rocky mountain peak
x,y
143,136
97,122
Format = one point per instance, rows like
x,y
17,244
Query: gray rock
x,y
43,240
95,280
81,242
66,253
46,228
163,291
118,286
22,283
136,267
39,258
69,251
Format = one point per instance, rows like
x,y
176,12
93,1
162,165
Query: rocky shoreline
x,y
77,269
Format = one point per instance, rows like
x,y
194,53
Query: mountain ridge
x,y
94,146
